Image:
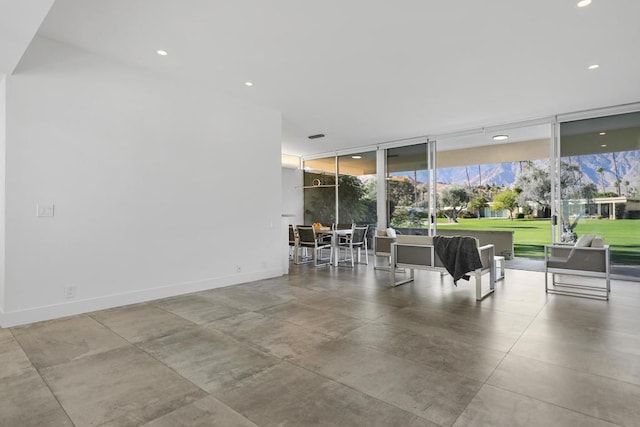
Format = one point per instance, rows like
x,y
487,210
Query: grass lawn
x,y
530,235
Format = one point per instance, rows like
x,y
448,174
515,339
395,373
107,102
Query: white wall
x,y
160,187
3,93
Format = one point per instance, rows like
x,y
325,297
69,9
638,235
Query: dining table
x,y
335,241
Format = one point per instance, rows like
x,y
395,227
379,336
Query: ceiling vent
x,y
320,135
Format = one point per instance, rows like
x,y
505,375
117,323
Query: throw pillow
x,y
584,241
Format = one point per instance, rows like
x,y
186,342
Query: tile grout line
x,y
555,404
506,353
142,350
46,383
356,390
548,299
248,345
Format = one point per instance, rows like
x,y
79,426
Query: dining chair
x,y
358,241
307,238
293,244
345,226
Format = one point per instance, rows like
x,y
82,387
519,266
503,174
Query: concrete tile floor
x,y
334,347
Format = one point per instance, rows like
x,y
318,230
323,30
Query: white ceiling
x,y
370,71
19,21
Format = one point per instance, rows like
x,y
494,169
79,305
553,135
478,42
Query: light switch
x,y
44,209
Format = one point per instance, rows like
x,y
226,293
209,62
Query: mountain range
x,y
627,163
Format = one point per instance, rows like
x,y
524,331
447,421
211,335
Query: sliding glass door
x,y
498,180
357,189
320,191
598,187
410,195
545,182
341,189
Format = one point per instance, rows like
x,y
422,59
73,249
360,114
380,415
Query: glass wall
x,y
357,193
320,191
407,187
354,189
599,183
498,181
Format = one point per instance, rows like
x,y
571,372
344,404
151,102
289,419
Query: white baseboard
x,y
54,311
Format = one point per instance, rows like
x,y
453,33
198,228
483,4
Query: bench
x,y
418,252
382,248
502,240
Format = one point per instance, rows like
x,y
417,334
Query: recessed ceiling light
x,y
356,157
603,133
500,137
248,84
593,67
603,145
584,3
162,52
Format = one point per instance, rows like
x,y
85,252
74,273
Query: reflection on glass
x,y
407,191
357,189
320,191
503,186
600,164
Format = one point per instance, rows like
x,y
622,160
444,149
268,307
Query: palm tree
x,y
615,170
601,172
626,185
466,169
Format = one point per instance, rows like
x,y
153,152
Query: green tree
x,y
350,195
369,202
477,204
453,200
370,189
570,181
320,203
400,192
589,191
507,199
400,217
534,184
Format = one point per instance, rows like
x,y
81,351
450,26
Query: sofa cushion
x,y
584,241
597,242
415,240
